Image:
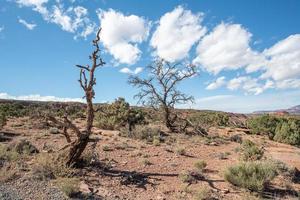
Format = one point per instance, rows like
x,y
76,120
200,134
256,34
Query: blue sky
x,y
248,52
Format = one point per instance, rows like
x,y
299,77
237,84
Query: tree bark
x,y
77,149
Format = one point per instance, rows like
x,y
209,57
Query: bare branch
x,y
160,89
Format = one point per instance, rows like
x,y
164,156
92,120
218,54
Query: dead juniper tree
x,y
87,82
159,89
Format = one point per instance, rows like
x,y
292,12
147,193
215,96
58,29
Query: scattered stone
x,y
84,188
54,130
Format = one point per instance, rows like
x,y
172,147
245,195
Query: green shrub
x,y
250,151
146,162
156,141
200,165
203,193
7,154
280,129
147,133
69,186
2,120
264,124
181,151
288,132
254,176
50,166
209,119
24,147
186,177
118,114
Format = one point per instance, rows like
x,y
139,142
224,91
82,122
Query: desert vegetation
x,y
280,129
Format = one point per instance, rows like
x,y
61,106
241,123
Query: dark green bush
x,y
250,151
12,109
263,125
2,120
288,131
209,119
119,114
280,129
254,176
147,133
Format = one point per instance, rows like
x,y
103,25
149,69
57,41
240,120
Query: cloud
x,y
38,5
247,104
121,34
126,70
29,26
288,83
176,33
1,28
226,48
249,85
37,97
219,82
283,59
73,19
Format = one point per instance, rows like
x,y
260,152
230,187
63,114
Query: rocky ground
x,y
133,169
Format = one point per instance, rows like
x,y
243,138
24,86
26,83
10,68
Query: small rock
x,y
84,188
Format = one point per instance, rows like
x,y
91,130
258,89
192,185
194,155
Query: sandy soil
x,y
159,178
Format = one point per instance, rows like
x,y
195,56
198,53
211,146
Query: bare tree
x,y
159,89
87,82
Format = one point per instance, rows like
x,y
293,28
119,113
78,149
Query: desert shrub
x,y
209,119
236,138
265,124
180,151
156,141
288,131
119,114
203,193
200,165
254,176
146,162
190,176
106,148
2,120
283,169
280,129
250,151
223,155
51,166
69,186
13,109
147,133
186,177
8,155
8,171
24,147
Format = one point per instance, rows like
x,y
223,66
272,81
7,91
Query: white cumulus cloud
x,y
29,26
219,82
283,59
176,33
121,34
72,19
126,70
37,97
249,85
226,48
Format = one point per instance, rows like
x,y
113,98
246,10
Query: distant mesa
x,y
295,110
